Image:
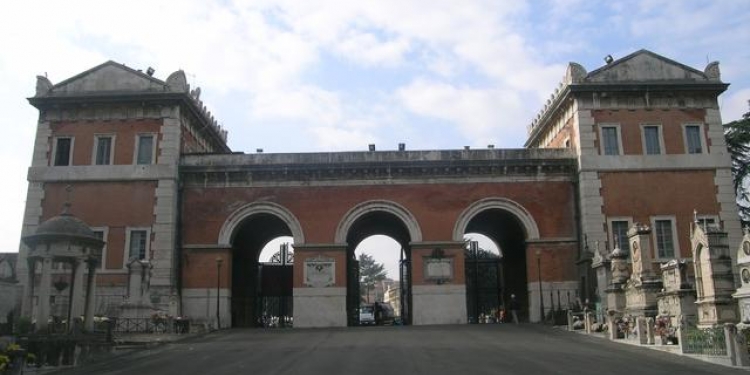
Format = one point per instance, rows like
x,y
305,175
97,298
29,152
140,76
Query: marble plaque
x,y
438,268
320,272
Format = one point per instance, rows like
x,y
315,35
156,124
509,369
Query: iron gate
x,y
484,285
405,288
352,294
273,301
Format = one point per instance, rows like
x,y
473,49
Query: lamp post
x,y
218,291
539,277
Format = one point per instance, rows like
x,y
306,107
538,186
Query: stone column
x,y
320,272
76,302
90,297
27,308
42,312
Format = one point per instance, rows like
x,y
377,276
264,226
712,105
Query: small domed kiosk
x,y
65,239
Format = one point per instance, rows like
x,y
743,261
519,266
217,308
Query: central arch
x,y
390,207
524,217
378,217
491,283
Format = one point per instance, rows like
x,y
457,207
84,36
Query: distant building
x,y
392,296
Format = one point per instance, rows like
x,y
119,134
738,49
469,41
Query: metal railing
x,y
139,325
705,341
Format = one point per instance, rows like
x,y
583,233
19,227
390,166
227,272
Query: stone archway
x,y
260,294
504,204
409,220
378,217
490,282
233,221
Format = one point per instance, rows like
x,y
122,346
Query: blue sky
x,y
296,76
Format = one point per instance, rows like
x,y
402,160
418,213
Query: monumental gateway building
x,y
146,166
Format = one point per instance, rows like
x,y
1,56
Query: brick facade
x,y
198,203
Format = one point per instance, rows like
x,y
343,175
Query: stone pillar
x,y
602,269
650,331
641,326
742,295
320,285
90,296
713,277
27,307
611,324
438,283
42,312
620,274
643,286
77,300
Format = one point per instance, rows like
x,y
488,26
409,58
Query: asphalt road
x,y
434,350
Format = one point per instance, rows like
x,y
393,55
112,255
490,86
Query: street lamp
x,y
218,290
539,277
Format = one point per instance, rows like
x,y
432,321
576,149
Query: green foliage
x,y
370,271
737,135
23,325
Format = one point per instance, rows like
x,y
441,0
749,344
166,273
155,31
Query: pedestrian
x,y
514,308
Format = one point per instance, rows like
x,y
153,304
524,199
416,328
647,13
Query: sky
x,y
300,76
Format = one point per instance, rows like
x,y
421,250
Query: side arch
x,y
415,233
524,217
228,229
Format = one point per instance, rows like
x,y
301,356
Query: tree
x,y
737,135
370,272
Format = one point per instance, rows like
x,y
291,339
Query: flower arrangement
x,y
13,358
664,329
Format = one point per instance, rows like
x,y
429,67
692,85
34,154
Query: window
x,y
708,222
145,149
138,244
664,237
652,139
620,234
610,140
63,148
693,139
103,149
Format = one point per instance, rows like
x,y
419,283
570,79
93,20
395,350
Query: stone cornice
x,y
121,105
572,91
248,170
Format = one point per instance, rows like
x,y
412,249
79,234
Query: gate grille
x,y
484,289
706,341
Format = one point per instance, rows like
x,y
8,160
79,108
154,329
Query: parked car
x,y
367,314
378,313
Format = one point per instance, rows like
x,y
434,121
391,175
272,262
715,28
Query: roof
x,y
112,82
61,228
642,70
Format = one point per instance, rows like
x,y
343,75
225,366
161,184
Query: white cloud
x,y
735,105
482,115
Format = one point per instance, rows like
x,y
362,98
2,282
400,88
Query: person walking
x,y
514,308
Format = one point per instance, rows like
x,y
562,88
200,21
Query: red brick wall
x,y
435,206
671,121
85,131
567,133
660,193
199,269
116,205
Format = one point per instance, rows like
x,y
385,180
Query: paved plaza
x,y
469,349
